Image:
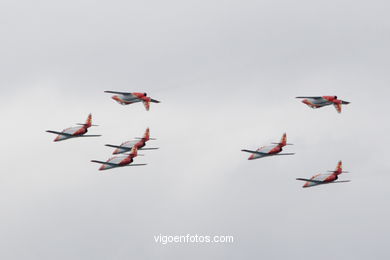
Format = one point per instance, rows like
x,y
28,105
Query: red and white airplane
x,y
127,98
317,102
72,132
120,161
325,178
128,145
270,150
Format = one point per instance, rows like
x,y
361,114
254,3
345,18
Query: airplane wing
x,y
338,107
106,163
117,92
128,148
117,165
320,182
310,97
314,181
154,101
255,152
58,133
118,146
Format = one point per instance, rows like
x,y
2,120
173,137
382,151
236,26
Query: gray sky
x,y
227,73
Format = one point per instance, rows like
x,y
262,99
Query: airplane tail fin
x,y
147,134
338,106
338,103
147,104
283,141
88,122
339,168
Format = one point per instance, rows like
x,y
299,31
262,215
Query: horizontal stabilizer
x,y
58,133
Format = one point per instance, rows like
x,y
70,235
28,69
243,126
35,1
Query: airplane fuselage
x,y
74,131
319,102
129,145
324,178
119,160
267,150
131,98
125,99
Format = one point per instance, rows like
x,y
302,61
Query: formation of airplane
x,y
72,132
321,101
125,158
129,150
128,145
127,98
270,150
326,178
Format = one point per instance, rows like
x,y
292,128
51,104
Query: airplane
x,y
72,132
270,150
317,102
128,145
120,161
325,178
127,98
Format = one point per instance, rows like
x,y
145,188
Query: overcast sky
x,y
227,73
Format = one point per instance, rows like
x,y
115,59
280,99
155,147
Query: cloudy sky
x,y
227,73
